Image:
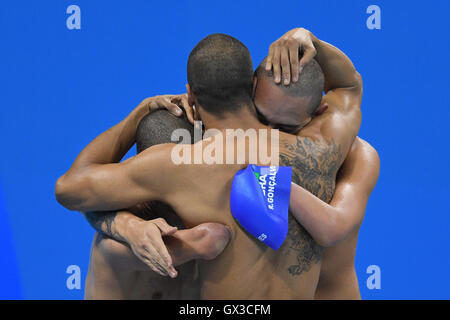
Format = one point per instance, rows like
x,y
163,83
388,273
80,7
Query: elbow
x,y
333,233
212,239
66,195
328,240
61,191
358,82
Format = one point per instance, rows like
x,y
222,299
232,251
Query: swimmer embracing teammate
x,y
333,174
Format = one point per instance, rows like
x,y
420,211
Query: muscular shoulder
x,y
362,165
324,154
154,167
365,151
314,162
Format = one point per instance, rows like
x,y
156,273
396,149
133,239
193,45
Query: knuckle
x,y
161,220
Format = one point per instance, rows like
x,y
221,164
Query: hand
x,y
173,103
284,55
145,240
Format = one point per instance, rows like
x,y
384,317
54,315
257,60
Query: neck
x,y
246,118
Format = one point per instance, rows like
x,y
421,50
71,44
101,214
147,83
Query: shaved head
x,y
291,104
220,74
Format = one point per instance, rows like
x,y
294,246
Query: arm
x,y
96,182
115,224
343,87
150,249
138,239
343,84
330,223
284,58
103,187
338,69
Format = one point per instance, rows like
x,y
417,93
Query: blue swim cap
x,y
259,201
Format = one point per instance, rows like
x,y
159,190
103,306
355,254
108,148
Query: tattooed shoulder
x,y
314,167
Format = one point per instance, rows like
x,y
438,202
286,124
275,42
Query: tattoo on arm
x,y
103,223
106,222
314,167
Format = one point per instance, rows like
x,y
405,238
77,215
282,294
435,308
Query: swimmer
x,y
334,226
126,267
304,277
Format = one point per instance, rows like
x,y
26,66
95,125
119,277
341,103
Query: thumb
x,y
164,227
172,107
308,55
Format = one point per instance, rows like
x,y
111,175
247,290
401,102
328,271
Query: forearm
x,y
338,69
112,223
137,238
111,145
95,181
318,217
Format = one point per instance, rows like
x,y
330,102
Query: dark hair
x,y
220,74
310,83
157,127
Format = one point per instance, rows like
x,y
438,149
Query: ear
x,y
190,95
321,109
255,82
191,102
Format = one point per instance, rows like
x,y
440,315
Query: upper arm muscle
x,y
121,185
356,180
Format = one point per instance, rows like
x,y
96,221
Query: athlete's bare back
x,y
248,269
112,262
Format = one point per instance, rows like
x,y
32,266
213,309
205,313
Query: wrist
x,y
138,113
124,224
316,42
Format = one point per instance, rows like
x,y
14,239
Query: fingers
x,y
153,255
172,107
276,64
284,59
165,258
293,59
153,267
143,254
159,102
188,109
161,250
269,58
285,65
150,247
164,227
308,54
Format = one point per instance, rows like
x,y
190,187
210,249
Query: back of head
x,y
157,127
220,74
310,85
